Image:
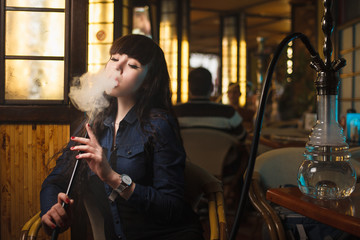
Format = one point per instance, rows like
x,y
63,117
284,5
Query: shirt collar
x,y
130,118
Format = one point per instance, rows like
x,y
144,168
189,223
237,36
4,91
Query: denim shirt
x,y
159,181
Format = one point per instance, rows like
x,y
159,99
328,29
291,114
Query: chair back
x,y
200,183
272,169
208,148
279,166
31,228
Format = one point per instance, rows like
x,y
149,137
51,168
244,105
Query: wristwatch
x,y
125,183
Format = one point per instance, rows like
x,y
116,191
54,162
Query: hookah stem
x,y
56,231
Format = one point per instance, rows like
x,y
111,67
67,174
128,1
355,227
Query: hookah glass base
x,y
326,173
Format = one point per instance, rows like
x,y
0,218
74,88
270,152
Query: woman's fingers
x,y
93,153
86,156
90,132
82,148
62,197
58,215
47,223
86,141
89,149
61,215
86,144
81,140
55,217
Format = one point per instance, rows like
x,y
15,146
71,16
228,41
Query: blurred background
x,y
45,44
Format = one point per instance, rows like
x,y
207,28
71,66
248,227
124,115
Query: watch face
x,y
126,179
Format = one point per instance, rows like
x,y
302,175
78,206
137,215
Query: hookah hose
x,y
56,231
259,118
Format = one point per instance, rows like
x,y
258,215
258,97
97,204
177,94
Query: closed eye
x,y
114,59
134,66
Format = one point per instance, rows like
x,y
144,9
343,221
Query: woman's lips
x,y
117,80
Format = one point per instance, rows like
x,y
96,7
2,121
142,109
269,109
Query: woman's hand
x,y
92,152
57,215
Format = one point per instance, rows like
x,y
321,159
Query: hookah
x,y
326,172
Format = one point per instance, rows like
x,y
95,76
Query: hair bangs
x,y
140,47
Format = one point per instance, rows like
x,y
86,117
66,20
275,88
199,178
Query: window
x,y
209,61
34,66
349,48
348,20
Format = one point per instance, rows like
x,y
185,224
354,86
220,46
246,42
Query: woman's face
x,y
127,72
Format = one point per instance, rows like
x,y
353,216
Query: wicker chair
x,y
273,169
198,184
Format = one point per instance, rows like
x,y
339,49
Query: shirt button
x,y
129,152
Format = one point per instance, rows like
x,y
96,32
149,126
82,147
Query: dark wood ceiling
x,y
270,19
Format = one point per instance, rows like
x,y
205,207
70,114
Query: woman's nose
x,y
120,64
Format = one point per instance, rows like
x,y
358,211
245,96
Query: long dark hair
x,y
154,91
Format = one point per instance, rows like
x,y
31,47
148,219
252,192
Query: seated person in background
x,y
233,95
199,111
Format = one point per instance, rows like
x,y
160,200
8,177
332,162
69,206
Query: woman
x,y
134,154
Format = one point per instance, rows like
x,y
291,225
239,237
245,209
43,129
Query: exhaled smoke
x,y
87,92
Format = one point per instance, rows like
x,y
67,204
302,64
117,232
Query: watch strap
x,y
117,191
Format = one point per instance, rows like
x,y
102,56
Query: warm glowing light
x,y
225,66
289,52
34,80
242,73
169,44
96,67
100,33
289,63
234,59
176,53
184,70
230,60
38,3
101,12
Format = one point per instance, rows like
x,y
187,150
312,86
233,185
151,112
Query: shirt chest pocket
x,y
130,151
131,160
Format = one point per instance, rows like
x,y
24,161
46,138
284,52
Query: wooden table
x,y
342,214
284,137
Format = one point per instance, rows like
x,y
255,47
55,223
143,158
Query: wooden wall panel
x,y
25,154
